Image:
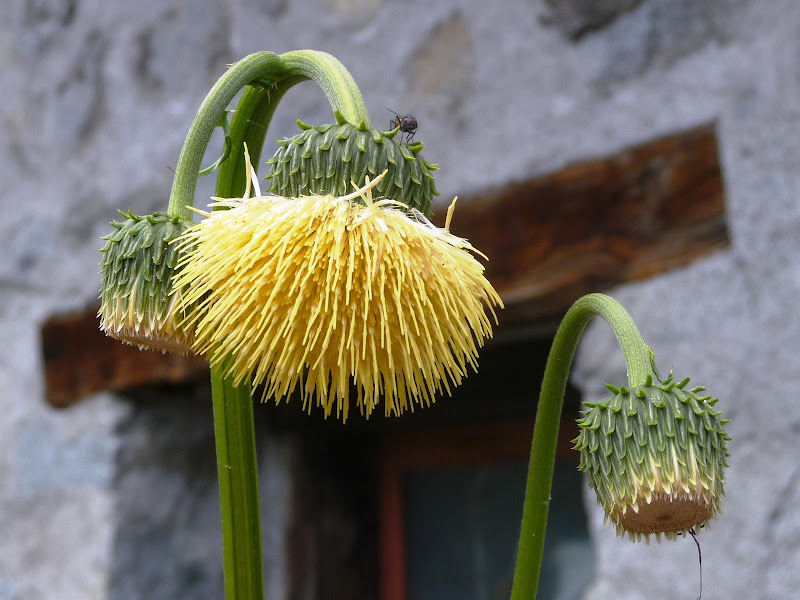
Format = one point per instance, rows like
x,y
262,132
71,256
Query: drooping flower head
x,y
332,297
138,301
655,455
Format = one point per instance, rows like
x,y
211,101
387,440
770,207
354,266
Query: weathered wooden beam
x,y
79,360
597,224
550,239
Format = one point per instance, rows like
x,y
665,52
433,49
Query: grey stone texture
x,y
97,96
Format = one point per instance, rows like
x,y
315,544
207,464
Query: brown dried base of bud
x,y
156,329
664,515
147,337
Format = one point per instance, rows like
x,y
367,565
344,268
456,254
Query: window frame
x,y
455,445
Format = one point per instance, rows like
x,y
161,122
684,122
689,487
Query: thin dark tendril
x,y
699,560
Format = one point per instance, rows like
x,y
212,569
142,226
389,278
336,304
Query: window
x,y
451,505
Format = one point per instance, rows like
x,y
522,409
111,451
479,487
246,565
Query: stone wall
x,y
97,96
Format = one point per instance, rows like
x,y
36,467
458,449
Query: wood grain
x,y
597,224
79,360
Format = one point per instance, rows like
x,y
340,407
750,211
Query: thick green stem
x,y
234,428
548,419
275,74
238,489
337,83
249,126
233,405
262,66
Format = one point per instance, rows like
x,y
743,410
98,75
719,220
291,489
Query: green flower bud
x,y
330,159
655,455
138,305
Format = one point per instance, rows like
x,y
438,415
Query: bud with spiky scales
x,y
655,454
326,159
138,303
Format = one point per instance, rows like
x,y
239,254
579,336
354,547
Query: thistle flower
x,y
320,292
655,455
138,302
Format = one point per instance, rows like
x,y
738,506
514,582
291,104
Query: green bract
x,y
137,299
655,455
330,159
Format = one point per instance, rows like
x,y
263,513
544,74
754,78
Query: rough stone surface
x,y
97,97
166,444
167,535
577,17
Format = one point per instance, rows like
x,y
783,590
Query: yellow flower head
x,y
330,296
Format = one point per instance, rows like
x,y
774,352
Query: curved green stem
x,y
234,428
237,469
275,75
267,77
260,66
337,83
249,126
548,419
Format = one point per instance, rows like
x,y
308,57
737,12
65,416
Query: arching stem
x,y
262,66
548,419
275,74
337,83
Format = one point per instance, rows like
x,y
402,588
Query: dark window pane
x,y
462,527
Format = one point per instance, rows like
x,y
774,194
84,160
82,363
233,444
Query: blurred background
x,y
646,148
